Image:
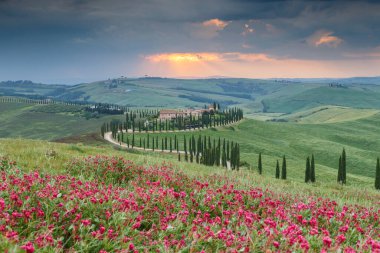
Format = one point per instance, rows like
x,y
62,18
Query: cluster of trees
x,y
149,120
30,101
310,170
201,149
106,109
102,108
278,175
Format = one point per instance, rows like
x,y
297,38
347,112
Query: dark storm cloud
x,y
91,39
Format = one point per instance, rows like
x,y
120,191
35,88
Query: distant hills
x,y
254,95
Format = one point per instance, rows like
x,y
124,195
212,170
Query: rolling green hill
x,y
321,118
297,141
47,122
327,114
253,95
355,97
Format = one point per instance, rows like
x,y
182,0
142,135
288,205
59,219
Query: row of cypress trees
x,y
202,149
151,122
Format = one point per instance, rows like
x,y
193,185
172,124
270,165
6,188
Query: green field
x,y
31,155
47,122
293,118
297,141
327,114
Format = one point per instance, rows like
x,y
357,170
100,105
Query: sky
x,y
73,41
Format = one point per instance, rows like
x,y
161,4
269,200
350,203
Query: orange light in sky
x,y
183,57
249,65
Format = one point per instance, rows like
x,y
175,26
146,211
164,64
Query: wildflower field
x,y
109,204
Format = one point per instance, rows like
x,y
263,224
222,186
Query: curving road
x,y
108,137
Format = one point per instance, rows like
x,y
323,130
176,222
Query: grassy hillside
x,y
326,114
47,122
75,203
253,95
297,141
31,155
355,97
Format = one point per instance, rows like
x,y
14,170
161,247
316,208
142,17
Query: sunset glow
x,y
99,39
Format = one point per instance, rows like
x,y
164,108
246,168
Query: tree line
x,y
201,149
144,121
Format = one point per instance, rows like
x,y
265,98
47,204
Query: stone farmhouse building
x,y
171,113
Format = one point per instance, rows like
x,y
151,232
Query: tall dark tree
x,y
283,169
260,165
344,166
339,179
185,148
237,156
278,170
312,169
377,176
307,171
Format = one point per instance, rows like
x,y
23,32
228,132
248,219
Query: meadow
x,y
296,142
137,203
47,122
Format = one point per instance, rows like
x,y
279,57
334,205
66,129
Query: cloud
x,y
209,29
324,38
183,57
207,57
364,54
249,65
216,24
247,29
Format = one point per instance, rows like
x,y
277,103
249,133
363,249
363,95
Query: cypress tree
x,y
344,166
170,145
312,170
377,176
224,159
237,156
185,148
228,150
260,165
339,179
307,171
153,143
277,170
191,149
133,140
179,156
283,169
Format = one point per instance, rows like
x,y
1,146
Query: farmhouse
x,y
171,113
